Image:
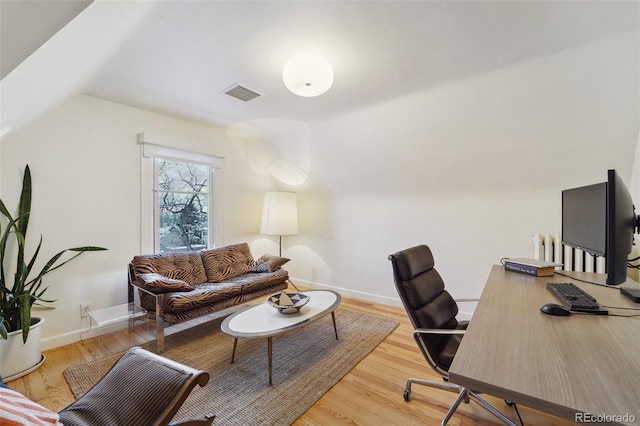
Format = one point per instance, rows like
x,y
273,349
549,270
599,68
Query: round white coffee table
x,y
264,320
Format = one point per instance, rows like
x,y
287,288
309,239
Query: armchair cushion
x,y
161,284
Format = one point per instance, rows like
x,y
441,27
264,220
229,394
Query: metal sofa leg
x,y
159,312
159,325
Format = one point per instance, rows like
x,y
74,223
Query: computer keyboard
x,y
575,299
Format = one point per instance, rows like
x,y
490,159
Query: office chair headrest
x,y
413,261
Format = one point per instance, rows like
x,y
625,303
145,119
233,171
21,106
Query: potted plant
x,y
19,291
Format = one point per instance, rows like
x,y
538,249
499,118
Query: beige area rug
x,y
307,362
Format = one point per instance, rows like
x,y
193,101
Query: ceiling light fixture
x,y
307,75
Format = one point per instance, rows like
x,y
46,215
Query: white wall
x,y
372,190
468,232
85,164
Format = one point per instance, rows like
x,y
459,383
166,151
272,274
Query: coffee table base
x,y
270,348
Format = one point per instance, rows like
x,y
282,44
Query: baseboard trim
x,y
371,297
79,335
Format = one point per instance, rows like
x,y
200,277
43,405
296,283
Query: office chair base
x,y
464,395
445,386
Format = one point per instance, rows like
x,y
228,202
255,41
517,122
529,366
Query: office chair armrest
x,y
466,300
420,331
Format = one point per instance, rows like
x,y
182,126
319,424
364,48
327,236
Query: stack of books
x,y
537,268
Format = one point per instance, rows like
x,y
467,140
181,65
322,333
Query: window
x,y
181,206
181,196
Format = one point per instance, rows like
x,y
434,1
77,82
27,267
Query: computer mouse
x,y
554,309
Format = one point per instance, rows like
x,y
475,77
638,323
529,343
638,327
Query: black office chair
x,y
432,312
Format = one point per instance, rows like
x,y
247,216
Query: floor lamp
x,y
280,216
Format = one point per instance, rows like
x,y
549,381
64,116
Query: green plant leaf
x,y
3,329
18,296
25,314
24,208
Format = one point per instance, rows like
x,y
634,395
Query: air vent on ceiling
x,y
241,92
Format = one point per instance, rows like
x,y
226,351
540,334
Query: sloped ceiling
x,y
26,25
176,57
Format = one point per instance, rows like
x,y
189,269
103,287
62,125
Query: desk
x,y
513,351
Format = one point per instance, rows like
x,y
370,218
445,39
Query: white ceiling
x,y
181,55
26,25
175,57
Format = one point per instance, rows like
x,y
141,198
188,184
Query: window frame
x,y
149,235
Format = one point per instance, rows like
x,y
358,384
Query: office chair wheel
x,y
406,394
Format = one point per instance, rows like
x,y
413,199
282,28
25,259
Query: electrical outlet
x,y
84,309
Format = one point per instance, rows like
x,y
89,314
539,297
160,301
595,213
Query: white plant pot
x,y
17,358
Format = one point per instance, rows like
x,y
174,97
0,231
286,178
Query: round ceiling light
x,y
307,75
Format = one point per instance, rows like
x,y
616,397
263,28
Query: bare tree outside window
x,y
183,205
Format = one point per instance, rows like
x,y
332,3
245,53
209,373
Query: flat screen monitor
x,y
600,219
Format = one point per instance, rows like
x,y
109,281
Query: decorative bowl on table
x,y
288,303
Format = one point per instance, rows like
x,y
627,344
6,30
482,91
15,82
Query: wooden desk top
x,y
560,365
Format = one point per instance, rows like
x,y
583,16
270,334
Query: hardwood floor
x,y
371,394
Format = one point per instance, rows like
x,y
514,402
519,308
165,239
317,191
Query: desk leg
x,y
335,329
269,356
235,345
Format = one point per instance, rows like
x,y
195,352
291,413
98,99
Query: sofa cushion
x,y
223,263
203,295
268,263
161,284
209,293
237,300
255,282
187,267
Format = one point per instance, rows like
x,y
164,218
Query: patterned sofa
x,y
181,286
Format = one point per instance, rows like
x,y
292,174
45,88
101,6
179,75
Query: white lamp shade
x,y
279,213
307,75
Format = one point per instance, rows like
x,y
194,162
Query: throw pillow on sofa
x,y
268,263
226,262
162,284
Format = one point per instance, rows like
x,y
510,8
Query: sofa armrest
x,y
158,310
137,285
